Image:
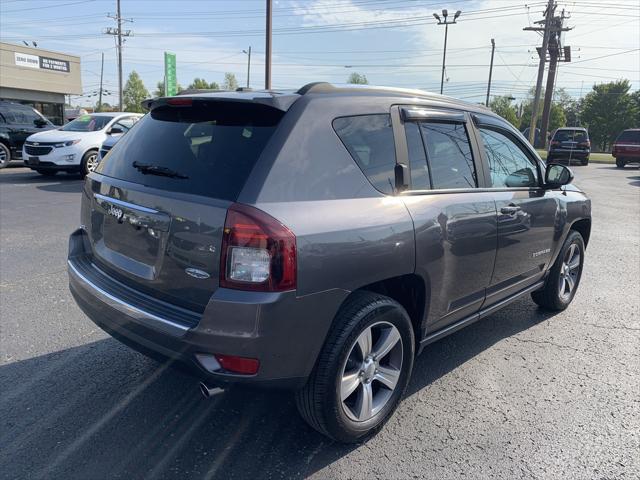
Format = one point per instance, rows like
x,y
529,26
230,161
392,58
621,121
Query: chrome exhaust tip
x,y
208,391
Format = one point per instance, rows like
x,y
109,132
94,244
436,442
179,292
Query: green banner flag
x,y
170,82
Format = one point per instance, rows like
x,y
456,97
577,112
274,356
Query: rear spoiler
x,y
278,101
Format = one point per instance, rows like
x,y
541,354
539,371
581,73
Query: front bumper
x,y
283,331
63,158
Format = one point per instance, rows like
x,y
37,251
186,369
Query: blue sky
x,y
392,42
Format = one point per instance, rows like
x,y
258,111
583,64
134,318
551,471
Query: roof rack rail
x,y
315,87
244,89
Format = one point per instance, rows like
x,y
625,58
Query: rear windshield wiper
x,y
157,170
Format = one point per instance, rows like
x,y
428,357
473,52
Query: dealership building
x,y
40,78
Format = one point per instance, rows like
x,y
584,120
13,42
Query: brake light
x,y
586,144
180,101
242,365
555,142
258,252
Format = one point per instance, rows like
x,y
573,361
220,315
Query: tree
x,y
358,79
230,82
502,106
159,91
570,106
557,117
608,109
134,93
202,84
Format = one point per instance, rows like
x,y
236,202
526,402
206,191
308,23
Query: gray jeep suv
x,y
318,240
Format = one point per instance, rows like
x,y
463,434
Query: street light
x,y
248,52
446,24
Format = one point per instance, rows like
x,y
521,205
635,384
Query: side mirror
x,y
557,175
39,122
115,131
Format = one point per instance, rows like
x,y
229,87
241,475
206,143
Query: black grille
x,y
33,150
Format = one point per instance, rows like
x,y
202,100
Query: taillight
x,y
586,144
554,142
258,252
180,101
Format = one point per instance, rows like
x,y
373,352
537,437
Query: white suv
x,y
74,147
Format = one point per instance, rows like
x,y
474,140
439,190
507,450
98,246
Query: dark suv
x,y
319,240
17,122
569,144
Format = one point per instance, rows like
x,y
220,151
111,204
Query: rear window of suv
x,y
631,136
207,149
571,136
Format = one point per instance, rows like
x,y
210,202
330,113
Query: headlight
x,y
67,144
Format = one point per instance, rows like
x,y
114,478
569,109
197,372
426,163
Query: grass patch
x,y
593,157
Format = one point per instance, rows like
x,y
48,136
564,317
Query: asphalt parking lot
x,y
522,394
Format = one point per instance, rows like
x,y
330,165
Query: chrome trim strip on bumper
x,y
140,316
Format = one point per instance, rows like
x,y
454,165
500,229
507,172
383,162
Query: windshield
x,y
87,123
208,149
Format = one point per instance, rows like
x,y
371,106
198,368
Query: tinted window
x,y
449,155
509,166
570,136
20,114
417,158
631,136
369,139
87,123
213,146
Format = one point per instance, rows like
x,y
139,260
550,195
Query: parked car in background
x,y
626,148
70,114
17,122
107,145
74,147
318,240
569,143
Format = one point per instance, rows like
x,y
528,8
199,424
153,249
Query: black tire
x,y
86,161
319,401
47,173
584,162
620,163
5,155
549,159
549,297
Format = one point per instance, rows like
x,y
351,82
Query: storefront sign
x,y
43,63
47,63
26,60
170,81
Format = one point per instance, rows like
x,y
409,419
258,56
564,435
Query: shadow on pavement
x,y
102,411
635,181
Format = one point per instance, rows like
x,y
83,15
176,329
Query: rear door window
x,y
369,140
207,149
449,155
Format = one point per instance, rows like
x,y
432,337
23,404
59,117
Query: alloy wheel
x,y
4,156
371,371
569,272
92,162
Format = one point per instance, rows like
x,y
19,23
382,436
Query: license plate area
x,y
33,160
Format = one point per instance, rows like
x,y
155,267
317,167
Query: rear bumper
x,y
579,154
283,331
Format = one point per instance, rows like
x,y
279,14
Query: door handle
x,y
510,210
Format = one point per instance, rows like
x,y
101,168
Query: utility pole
x,y
118,33
267,61
248,52
493,49
548,15
556,53
446,24
101,77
